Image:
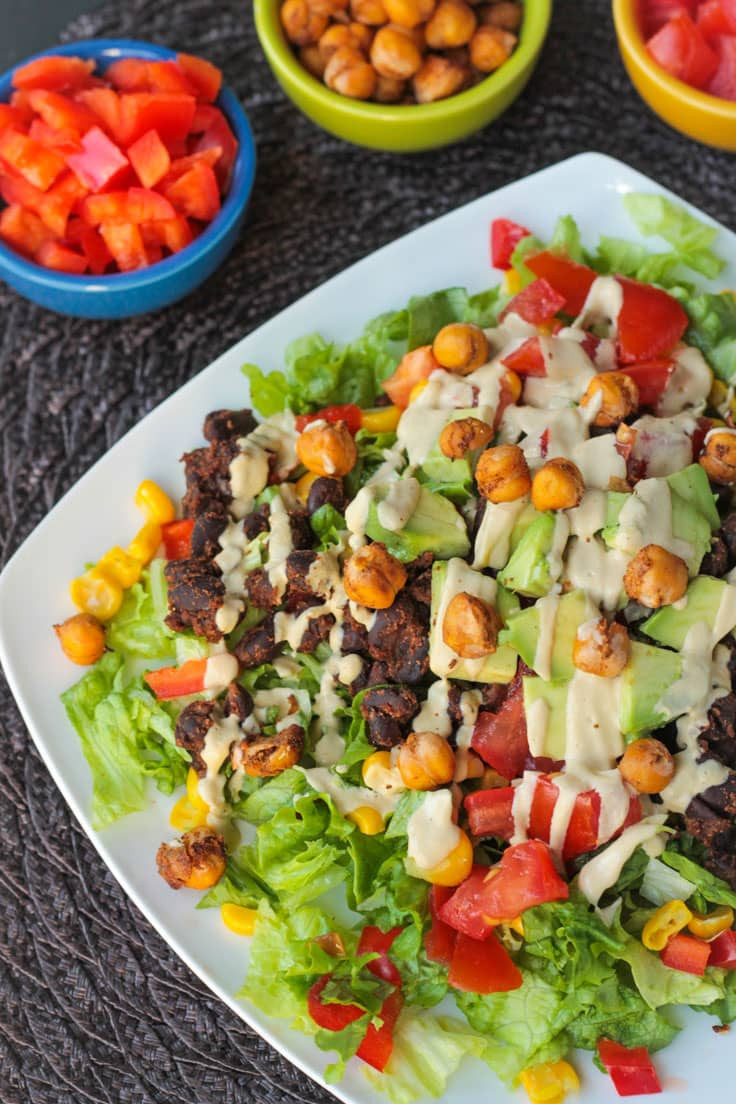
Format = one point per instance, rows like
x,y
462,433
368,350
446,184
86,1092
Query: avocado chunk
x,y
710,600
545,706
452,478
501,528
452,577
644,681
529,570
550,627
692,485
433,526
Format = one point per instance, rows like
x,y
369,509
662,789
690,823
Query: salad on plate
x,y
436,658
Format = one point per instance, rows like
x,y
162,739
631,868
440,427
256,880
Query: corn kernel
x,y
384,419
184,816
549,1082
119,565
238,918
514,384
511,282
517,925
193,793
375,765
154,502
303,486
96,593
368,820
144,544
712,924
667,921
417,390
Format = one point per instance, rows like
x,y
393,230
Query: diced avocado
x,y
453,478
644,681
692,484
528,571
434,526
524,631
501,528
615,501
689,522
507,603
710,600
452,577
546,722
524,521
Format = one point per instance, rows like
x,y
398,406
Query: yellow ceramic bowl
x,y
409,127
697,114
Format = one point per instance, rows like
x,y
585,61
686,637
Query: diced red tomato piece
x,y
105,103
373,939
195,193
571,280
54,255
36,164
178,682
651,377
505,236
463,912
681,49
482,966
583,826
54,73
129,75
95,250
414,367
136,205
723,82
527,360
650,322
19,102
166,76
526,877
349,413
125,242
686,953
329,1015
60,200
22,229
61,112
713,19
177,538
723,950
202,74
64,141
537,303
216,132
500,738
439,942
180,165
490,812
656,12
174,234
378,1045
11,117
150,158
170,113
630,1068
100,163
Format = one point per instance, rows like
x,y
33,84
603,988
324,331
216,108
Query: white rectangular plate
x,y
99,512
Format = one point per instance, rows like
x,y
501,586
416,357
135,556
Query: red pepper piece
x,y
54,255
205,77
346,412
483,966
686,953
439,942
723,950
373,939
490,812
177,538
650,322
125,242
196,193
178,682
150,158
500,738
570,279
537,303
651,377
100,163
630,1068
55,73
22,229
527,360
35,163
505,236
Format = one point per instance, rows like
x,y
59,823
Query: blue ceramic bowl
x,y
148,289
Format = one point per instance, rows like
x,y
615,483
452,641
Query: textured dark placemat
x,y
93,1005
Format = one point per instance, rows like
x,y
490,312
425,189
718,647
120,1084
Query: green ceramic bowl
x,y
409,127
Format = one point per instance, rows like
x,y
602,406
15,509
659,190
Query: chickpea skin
x,y
502,474
330,8
313,60
82,638
558,485
394,53
409,13
614,395
426,761
302,24
438,78
268,756
471,626
461,347
601,648
373,577
647,766
327,448
490,47
460,437
452,24
719,456
389,90
364,35
507,15
348,73
655,577
371,12
337,35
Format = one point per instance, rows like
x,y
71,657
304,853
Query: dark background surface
x,y
93,1005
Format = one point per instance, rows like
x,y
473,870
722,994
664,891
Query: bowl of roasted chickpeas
x,y
402,75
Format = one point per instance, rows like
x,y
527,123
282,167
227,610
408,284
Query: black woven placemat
x,y
93,1005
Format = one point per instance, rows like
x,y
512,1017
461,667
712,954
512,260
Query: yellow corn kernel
x,y
517,925
368,820
549,1082
238,918
417,390
144,544
184,816
454,868
96,593
712,924
514,384
119,565
666,922
303,486
384,419
154,502
193,793
379,761
511,282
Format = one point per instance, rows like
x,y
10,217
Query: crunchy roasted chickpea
x,y
601,648
337,35
426,761
82,638
507,15
719,455
613,395
655,577
647,765
313,60
558,485
460,437
461,347
471,626
330,8
490,47
196,860
389,90
438,78
268,756
371,12
373,577
302,24
409,13
502,473
452,24
394,53
327,448
364,35
348,73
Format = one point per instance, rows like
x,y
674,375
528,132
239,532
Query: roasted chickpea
x,y
196,861
268,756
507,15
719,455
337,35
409,13
490,47
601,648
327,448
558,485
332,943
313,60
426,761
502,473
471,626
302,24
348,73
364,34
452,24
330,8
460,437
647,765
438,78
613,395
461,347
371,12
655,577
394,53
389,90
373,577
82,638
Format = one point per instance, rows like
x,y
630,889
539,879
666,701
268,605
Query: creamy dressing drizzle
x,y
547,608
664,445
431,831
689,384
400,502
603,871
218,742
459,578
493,539
349,798
280,544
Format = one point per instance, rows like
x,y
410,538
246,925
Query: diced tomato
x,y
482,966
202,74
723,950
166,76
178,682
173,234
346,412
463,911
36,164
651,377
490,812
94,248
100,163
505,236
500,738
125,242
414,367
571,280
106,104
19,102
54,73
150,158
537,303
169,113
681,49
526,877
630,1068
177,538
216,132
11,117
714,19
195,193
656,12
180,165
378,1045
439,942
129,75
650,322
723,82
527,360
583,826
686,953
330,1015
60,112
22,229
54,255
60,200
64,141
373,939
136,205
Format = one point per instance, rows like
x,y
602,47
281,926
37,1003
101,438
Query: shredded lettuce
x,y
713,889
690,237
328,525
661,884
139,626
713,330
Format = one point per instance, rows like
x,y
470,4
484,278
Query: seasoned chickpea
x,y
647,765
507,15
490,47
303,25
371,12
461,347
394,53
373,577
330,8
471,626
614,396
327,448
389,90
409,13
438,78
364,35
196,861
460,437
268,756
502,473
313,60
82,638
558,485
337,35
719,456
601,648
452,24
426,761
655,577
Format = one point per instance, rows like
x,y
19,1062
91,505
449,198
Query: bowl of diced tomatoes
x,y
681,57
125,174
